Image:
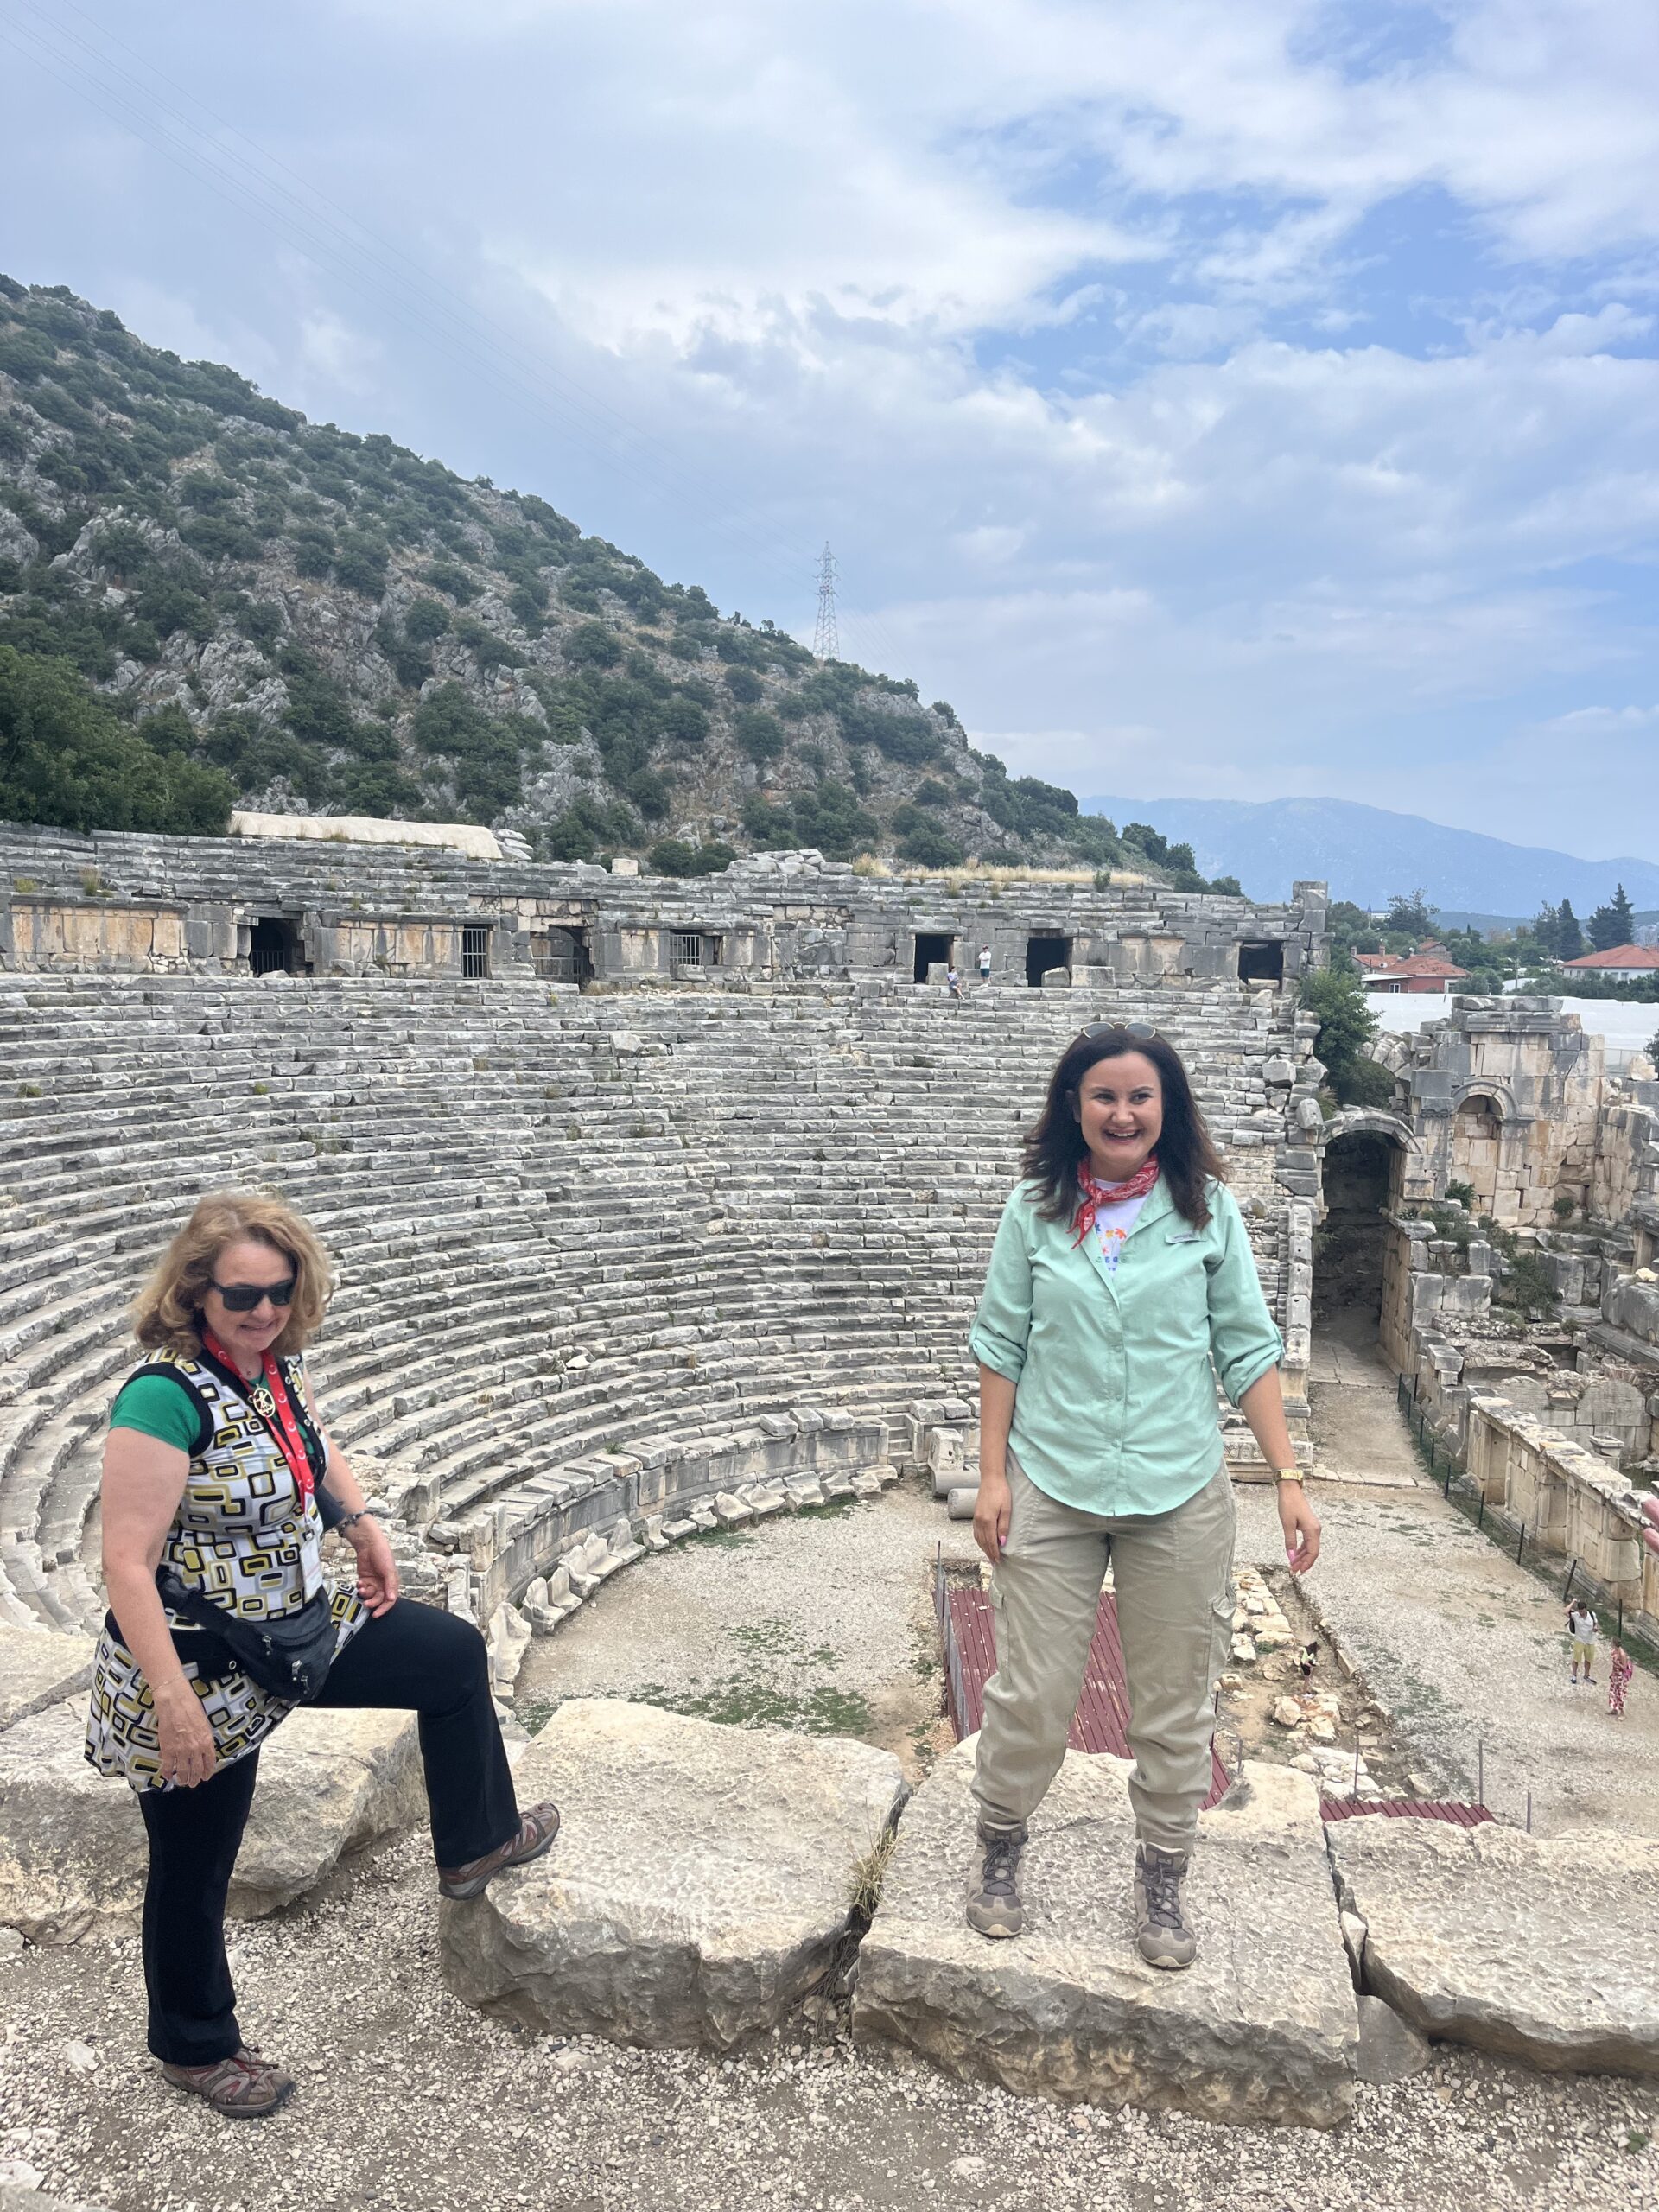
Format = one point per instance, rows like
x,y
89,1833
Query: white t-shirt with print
x,y
1113,1224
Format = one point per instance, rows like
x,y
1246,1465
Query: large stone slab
x,y
700,1886
40,1668
73,1852
1262,2027
1542,1947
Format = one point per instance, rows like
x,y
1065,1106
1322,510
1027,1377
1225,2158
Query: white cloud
x,y
1011,299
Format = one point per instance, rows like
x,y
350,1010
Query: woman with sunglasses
x,y
1121,1284
218,1480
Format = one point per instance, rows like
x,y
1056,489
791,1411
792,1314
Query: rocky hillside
x,y
284,614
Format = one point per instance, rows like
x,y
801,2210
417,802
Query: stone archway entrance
x,y
1362,1170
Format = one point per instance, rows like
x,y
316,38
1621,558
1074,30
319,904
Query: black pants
x,y
412,1656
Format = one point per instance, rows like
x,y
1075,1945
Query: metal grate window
x,y
474,951
687,948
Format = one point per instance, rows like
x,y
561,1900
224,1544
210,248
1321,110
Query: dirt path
x,y
1462,1644
1353,1415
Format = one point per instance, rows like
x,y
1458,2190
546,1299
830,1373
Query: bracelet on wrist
x,y
350,1520
1288,1474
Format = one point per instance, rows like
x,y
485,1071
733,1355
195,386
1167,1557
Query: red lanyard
x,y
288,1439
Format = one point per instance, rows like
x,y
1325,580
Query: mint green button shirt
x,y
1114,1399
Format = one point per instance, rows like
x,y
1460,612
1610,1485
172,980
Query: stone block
x,y
40,1668
700,1885
73,1852
1262,2028
1537,1947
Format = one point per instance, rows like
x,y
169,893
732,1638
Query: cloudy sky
x,y
1227,397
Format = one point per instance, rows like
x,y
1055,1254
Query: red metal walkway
x,y
1102,1720
1405,1808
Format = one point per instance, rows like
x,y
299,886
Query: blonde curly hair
x,y
167,1312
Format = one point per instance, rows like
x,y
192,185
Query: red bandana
x,y
1096,1194
271,1401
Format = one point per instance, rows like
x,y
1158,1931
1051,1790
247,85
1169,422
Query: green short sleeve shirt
x,y
157,1405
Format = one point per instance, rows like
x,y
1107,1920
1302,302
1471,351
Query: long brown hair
x,y
1053,1146
167,1310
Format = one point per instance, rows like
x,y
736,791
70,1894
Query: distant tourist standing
x,y
984,963
1620,1669
1121,1269
217,1477
1581,1629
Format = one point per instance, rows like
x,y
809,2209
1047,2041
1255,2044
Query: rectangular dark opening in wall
x,y
1261,963
561,956
273,946
1042,953
932,950
474,949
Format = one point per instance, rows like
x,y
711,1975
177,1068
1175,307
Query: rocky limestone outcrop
x,y
72,1845
700,1886
1540,1948
1262,2027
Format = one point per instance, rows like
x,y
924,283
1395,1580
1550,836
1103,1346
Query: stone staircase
x,y
563,1223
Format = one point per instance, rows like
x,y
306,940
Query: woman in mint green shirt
x,y
1122,1285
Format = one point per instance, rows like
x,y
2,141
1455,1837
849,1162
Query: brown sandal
x,y
245,2087
536,1832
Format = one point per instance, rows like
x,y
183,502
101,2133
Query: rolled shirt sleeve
x,y
1243,1341
1002,1323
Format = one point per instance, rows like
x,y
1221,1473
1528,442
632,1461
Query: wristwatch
x,y
1288,1474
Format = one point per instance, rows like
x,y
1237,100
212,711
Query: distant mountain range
x,y
1367,854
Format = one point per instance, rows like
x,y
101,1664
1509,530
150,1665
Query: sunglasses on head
x,y
1127,1028
244,1297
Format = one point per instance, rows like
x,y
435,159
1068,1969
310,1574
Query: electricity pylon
x,y
826,638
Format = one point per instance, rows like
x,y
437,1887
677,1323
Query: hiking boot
x,y
1160,1923
536,1832
246,2087
994,1906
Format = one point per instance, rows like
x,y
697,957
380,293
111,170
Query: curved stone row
x,y
571,1229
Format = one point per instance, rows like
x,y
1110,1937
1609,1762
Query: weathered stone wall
x,y
396,909
1568,1501
1505,1094
1624,1179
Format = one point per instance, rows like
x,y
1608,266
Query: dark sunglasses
x,y
1128,1028
244,1297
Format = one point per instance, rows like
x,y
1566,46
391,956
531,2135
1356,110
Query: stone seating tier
x,y
561,1221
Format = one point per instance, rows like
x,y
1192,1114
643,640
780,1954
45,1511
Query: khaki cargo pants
x,y
1173,1574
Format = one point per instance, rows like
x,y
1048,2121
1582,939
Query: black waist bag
x,y
290,1657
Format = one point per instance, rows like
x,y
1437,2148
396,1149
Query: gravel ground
x,y
821,1622
409,2101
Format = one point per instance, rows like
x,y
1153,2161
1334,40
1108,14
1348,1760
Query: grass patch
x,y
869,1874
739,1702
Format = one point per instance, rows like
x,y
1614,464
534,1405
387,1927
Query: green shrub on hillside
x,y
67,761
674,857
760,735
591,645
453,582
